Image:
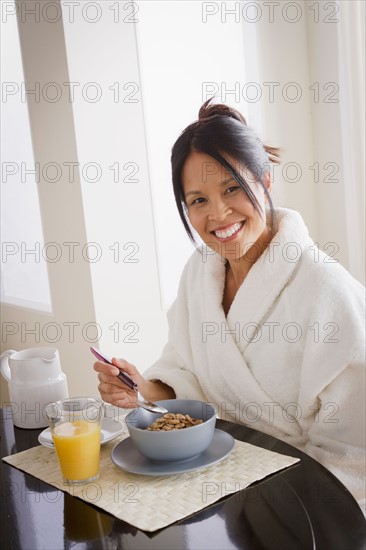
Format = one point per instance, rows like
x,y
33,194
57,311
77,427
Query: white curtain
x,y
351,60
320,52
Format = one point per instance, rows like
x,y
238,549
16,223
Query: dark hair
x,y
221,130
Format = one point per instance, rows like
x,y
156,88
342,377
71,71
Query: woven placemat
x,y
151,503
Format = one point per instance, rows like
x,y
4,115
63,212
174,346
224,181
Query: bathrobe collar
x,y
254,299
265,280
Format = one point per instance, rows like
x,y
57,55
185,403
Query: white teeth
x,y
228,232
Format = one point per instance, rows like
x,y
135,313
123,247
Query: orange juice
x,y
78,449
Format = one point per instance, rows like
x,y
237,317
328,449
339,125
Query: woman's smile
x,y
228,232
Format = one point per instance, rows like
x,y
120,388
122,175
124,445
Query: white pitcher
x,y
35,379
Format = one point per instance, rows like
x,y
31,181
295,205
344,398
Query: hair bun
x,y
218,109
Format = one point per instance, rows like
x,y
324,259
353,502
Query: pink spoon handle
x,y
122,375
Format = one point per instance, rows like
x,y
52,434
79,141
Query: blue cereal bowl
x,y
173,445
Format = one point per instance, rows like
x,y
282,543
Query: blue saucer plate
x,y
126,456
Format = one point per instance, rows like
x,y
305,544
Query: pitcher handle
x,y
4,359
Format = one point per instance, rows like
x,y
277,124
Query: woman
x,y
265,325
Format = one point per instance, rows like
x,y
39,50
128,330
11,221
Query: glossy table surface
x,y
302,507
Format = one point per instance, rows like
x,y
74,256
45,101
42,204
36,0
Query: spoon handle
x,y
124,377
152,407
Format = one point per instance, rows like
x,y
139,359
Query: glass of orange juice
x,y
75,427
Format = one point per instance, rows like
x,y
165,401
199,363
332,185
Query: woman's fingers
x,y
126,367
111,388
125,402
108,374
119,401
107,387
108,379
105,368
129,369
116,395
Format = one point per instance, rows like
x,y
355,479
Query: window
x,y
183,61
24,277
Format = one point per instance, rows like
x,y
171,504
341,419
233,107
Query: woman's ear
x,y
267,182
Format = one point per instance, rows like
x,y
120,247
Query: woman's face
x,y
218,208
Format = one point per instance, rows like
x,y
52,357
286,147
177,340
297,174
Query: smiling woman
x,y
246,160
241,334
223,215
221,151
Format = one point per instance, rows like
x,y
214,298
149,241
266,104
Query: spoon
x,y
126,379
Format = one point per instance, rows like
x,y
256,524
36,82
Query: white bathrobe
x,y
289,357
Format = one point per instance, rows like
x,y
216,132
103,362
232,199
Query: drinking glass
x,y
75,425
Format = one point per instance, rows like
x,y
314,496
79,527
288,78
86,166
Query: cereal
x,y
171,421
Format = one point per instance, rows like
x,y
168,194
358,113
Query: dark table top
x,y
302,507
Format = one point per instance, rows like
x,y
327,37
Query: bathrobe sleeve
x,y
334,379
336,437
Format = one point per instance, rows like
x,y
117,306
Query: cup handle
x,y
4,359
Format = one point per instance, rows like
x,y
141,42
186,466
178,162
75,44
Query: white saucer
x,y
126,456
110,430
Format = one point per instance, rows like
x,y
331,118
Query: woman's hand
x,y
112,389
115,392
